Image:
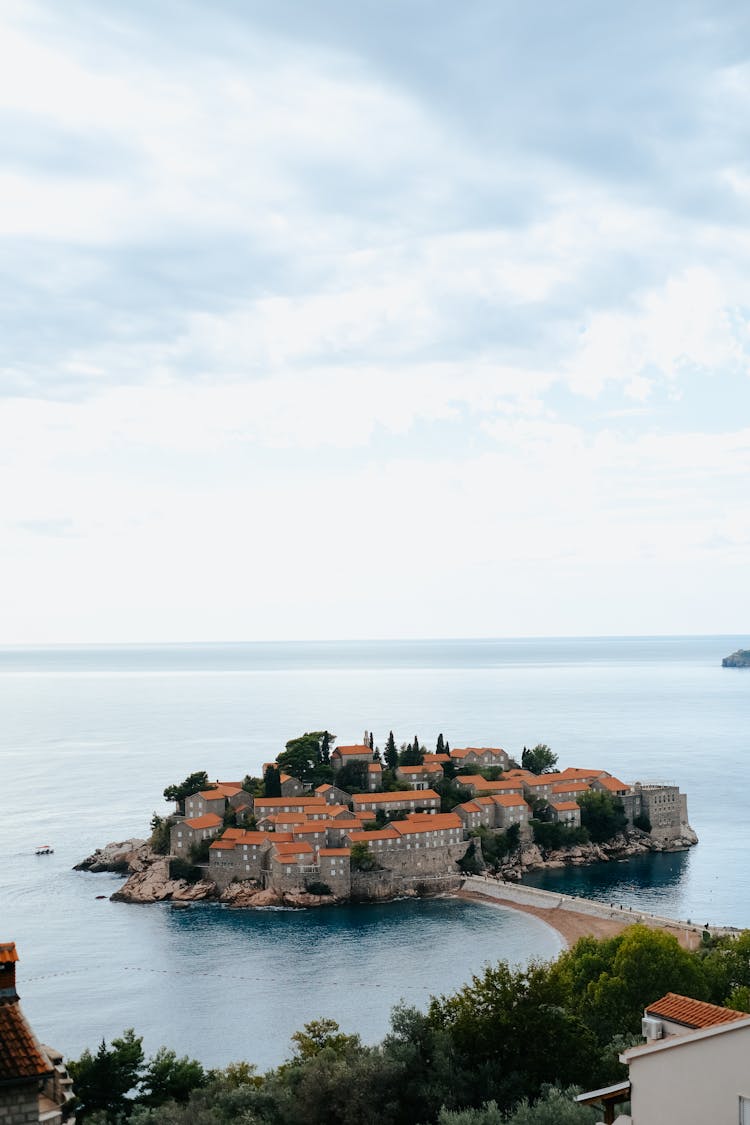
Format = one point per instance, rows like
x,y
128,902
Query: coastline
x,y
574,918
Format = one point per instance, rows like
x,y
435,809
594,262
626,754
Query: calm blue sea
x,y
90,737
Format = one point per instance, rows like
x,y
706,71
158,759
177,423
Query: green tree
x,y
319,1034
272,782
609,983
539,759
602,815
159,841
440,746
169,1078
103,1081
353,777
391,752
193,783
303,756
362,858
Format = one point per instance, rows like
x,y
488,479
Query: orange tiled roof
x,y
428,823
8,952
208,820
378,834
612,784
348,750
571,787
408,795
212,795
289,802
574,772
430,767
565,806
323,788
335,851
692,1013
21,1054
469,806
439,759
294,848
222,845
375,767
509,800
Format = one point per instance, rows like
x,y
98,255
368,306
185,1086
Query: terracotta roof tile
x,y
335,851
565,806
509,801
208,820
408,795
21,1055
692,1013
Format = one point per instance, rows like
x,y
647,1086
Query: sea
x,y
90,736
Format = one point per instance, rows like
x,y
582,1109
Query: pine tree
x,y
372,741
391,753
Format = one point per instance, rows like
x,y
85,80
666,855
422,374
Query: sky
x,y
323,319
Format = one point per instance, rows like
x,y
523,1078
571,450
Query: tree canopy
x,y
193,783
539,759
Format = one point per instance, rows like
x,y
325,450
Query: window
x,y
744,1110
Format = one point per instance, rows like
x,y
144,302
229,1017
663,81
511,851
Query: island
x,y
327,825
738,659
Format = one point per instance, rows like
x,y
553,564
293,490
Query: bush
x,y
641,821
181,869
551,835
316,888
602,815
198,851
362,858
159,839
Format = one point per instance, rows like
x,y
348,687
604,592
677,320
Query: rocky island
x,y
407,823
738,659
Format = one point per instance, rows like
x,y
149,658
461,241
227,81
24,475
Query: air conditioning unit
x,y
651,1028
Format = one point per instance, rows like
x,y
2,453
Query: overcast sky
x,y
383,318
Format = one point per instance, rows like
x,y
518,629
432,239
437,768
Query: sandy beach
x,y
573,924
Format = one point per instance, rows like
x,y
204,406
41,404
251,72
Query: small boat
x,y
44,849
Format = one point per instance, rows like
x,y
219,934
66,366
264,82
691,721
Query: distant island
x,y
325,825
738,659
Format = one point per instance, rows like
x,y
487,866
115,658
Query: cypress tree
x,y
440,748
391,752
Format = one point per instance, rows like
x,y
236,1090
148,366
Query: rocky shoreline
x,y
626,845
148,874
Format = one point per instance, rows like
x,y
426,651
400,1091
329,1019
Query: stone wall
x,y
374,886
439,860
19,1105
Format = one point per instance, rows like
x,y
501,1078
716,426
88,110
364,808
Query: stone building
x,y
479,756
413,801
186,832
567,813
420,777
34,1086
343,755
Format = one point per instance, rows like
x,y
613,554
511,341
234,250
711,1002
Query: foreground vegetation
x,y
506,1048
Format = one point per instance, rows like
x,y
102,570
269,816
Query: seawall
x,y
575,917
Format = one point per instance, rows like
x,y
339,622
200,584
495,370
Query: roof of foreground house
x,y
692,1013
21,1054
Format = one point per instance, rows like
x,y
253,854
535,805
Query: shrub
x,y
198,851
181,869
159,839
362,858
317,888
551,835
603,815
641,821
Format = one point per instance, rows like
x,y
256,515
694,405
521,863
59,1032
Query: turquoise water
x,y
90,737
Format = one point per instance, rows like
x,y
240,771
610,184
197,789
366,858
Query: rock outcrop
x,y
152,883
738,659
623,846
127,855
